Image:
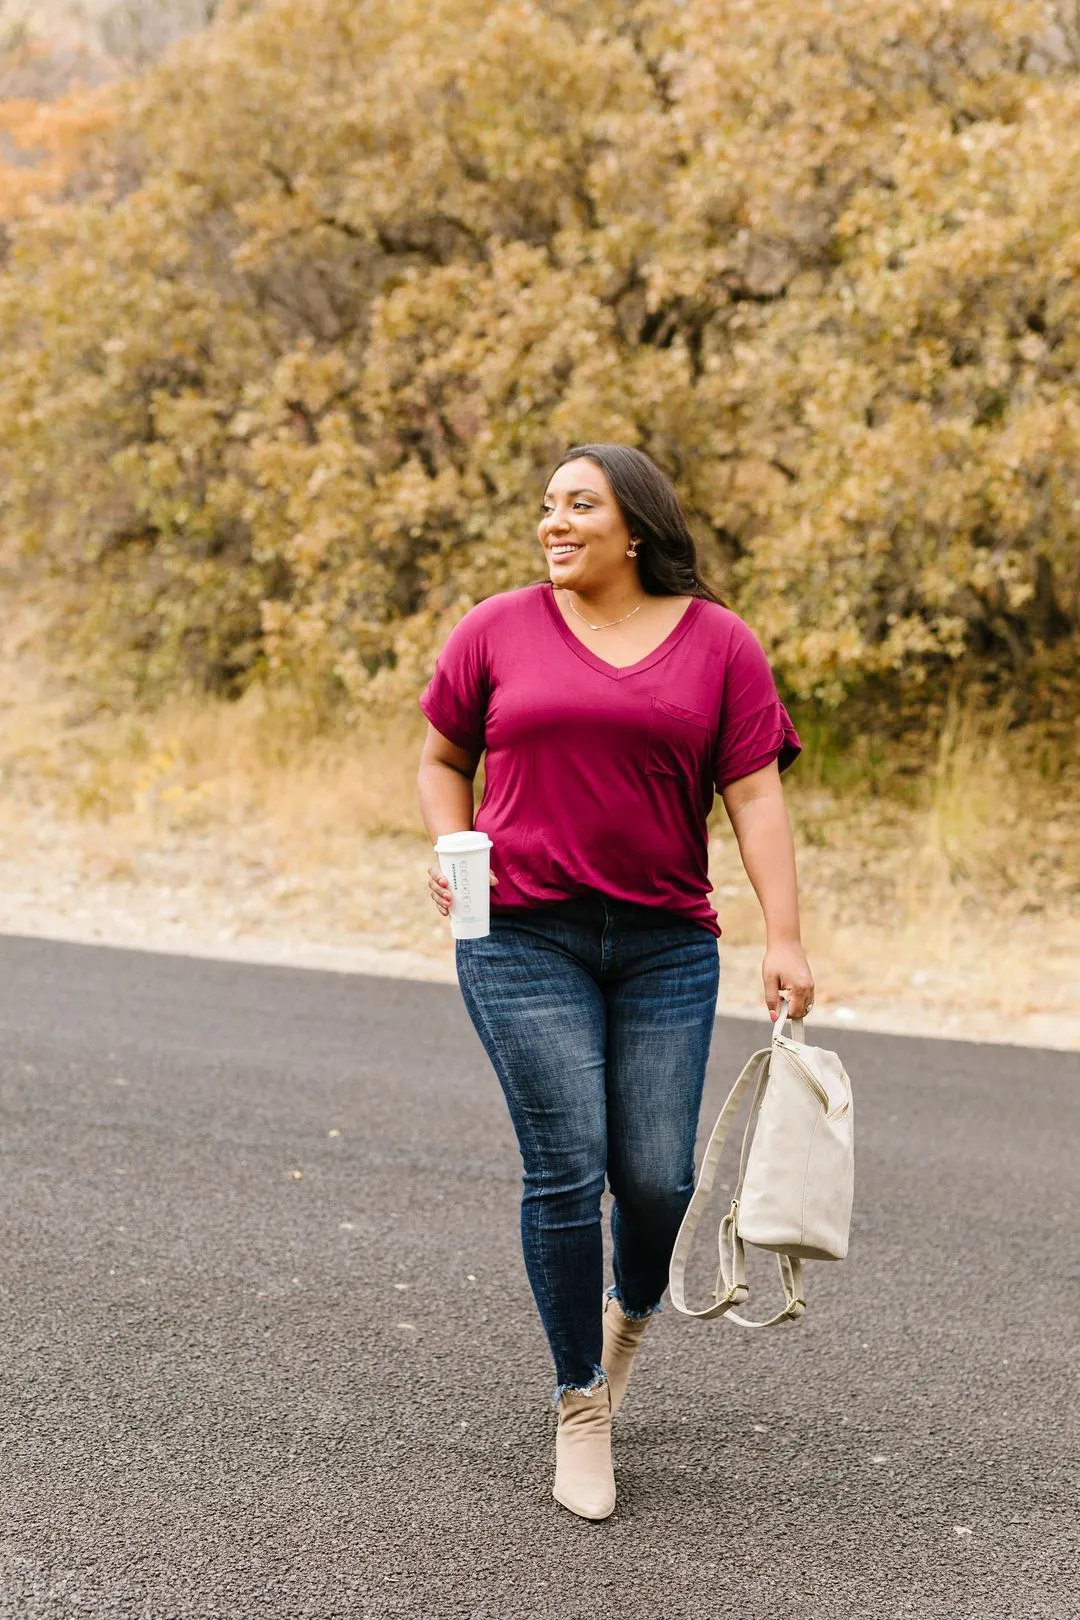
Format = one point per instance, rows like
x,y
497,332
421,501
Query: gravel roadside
x,y
202,897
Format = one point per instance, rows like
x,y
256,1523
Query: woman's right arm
x,y
445,787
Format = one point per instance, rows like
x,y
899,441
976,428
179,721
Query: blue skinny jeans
x,y
597,1016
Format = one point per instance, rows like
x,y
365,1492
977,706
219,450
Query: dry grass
x,y
953,887
958,885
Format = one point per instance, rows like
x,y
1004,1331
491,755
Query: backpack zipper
x,y
811,1079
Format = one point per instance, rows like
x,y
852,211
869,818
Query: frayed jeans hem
x,y
598,1380
633,1316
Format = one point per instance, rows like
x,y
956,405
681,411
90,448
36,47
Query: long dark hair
x,y
646,497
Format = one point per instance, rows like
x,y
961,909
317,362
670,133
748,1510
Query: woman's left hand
x,y
785,968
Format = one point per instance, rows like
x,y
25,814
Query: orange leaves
x,y
53,142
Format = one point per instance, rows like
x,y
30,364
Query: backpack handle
x,y
797,1025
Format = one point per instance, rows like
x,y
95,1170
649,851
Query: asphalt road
x,y
268,1347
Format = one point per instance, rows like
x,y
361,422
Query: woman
x,y
612,699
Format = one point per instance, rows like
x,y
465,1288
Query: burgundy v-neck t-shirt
x,y
597,778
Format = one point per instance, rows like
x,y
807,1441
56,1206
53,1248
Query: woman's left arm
x,y
759,818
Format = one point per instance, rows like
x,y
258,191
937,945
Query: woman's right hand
x,y
439,888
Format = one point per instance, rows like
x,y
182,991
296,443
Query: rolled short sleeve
x,y
755,728
455,700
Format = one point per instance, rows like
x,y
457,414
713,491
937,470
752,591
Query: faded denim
x,y
597,1015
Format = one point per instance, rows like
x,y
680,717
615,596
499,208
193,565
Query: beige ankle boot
x,y
622,1335
584,1477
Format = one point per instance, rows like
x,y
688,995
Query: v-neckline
x,y
587,656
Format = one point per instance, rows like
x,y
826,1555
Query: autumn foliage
x,y
293,328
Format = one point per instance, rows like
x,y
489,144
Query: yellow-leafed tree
x,y
291,343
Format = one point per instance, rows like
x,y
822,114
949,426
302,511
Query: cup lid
x,y
461,843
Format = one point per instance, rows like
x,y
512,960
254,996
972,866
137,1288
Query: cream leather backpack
x,y
796,1174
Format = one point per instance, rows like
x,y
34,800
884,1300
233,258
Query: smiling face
x,y
582,530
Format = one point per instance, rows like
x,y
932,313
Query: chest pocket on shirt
x,y
678,741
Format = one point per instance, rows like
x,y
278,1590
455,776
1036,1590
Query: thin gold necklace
x,y
612,623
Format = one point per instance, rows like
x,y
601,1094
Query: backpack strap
x,y
731,1286
732,1291
789,1266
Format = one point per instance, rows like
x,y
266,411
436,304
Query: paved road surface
x,y
268,1348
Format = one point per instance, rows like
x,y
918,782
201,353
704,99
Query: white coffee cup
x,y
465,861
